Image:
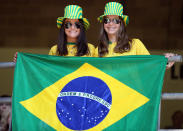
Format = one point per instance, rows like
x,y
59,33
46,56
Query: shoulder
x,y
91,45
53,50
139,47
93,50
136,41
54,47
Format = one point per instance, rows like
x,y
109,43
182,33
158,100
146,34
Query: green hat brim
x,y
124,17
60,21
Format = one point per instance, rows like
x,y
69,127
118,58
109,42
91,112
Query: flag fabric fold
x,y
87,93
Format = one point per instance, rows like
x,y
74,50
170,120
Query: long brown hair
x,y
123,41
81,44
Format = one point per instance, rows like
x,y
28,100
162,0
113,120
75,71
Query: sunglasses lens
x,y
116,21
68,25
77,25
106,21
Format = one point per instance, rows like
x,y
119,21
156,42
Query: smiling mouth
x,y
111,28
73,31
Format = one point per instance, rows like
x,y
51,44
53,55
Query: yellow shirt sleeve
x,y
92,50
139,47
53,50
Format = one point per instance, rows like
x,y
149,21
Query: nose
x,y
73,26
110,23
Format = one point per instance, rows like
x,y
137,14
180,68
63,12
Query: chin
x,y
112,33
74,36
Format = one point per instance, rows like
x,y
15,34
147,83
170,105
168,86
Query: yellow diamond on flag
x,y
124,99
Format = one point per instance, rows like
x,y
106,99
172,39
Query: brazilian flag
x,y
86,93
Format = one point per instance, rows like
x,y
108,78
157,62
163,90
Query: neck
x,y
71,40
112,38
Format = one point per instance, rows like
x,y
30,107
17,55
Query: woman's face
x,y
111,24
72,28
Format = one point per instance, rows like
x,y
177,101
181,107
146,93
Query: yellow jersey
x,y
72,50
137,48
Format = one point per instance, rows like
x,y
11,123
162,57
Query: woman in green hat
x,y
72,37
113,40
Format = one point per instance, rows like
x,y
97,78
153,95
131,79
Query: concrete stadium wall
x,y
27,23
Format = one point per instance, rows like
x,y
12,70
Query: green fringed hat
x,y
73,12
114,8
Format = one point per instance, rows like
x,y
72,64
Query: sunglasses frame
x,y
114,20
68,25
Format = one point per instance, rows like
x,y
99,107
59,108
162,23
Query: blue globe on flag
x,y
83,103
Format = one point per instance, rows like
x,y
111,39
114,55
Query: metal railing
x,y
165,96
169,96
172,96
5,100
7,64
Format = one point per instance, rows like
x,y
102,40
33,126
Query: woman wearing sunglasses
x,y
113,40
72,38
